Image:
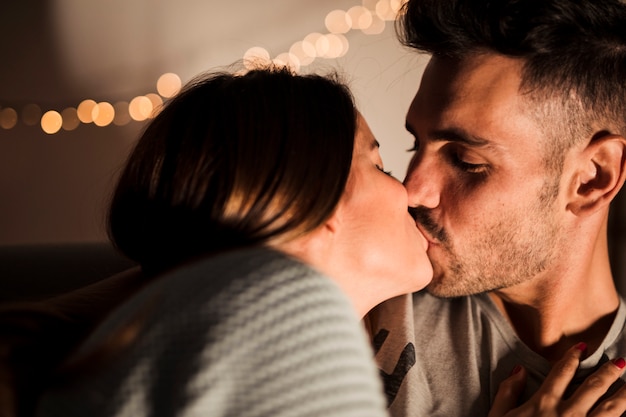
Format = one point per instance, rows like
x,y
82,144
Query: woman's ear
x,y
600,175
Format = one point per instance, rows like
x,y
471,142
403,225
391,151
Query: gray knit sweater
x,y
249,333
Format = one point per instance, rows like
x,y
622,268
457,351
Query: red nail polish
x,y
619,362
582,346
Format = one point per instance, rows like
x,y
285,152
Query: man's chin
x,y
440,289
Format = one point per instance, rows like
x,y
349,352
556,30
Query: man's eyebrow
x,y
453,135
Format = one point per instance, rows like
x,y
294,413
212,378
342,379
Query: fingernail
x,y
582,346
516,370
619,362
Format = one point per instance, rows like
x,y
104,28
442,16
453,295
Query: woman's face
x,y
379,239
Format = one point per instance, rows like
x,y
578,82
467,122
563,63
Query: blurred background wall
x,y
54,54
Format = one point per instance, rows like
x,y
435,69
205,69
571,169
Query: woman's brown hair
x,y
232,161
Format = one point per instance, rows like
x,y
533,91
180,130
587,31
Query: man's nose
x,y
423,182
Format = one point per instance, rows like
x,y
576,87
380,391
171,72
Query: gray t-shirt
x,y
249,333
447,357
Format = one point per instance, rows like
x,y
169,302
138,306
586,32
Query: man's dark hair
x,y
573,52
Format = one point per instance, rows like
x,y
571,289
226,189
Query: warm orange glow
x,y
103,114
70,119
361,17
338,21
256,57
140,108
289,60
384,10
51,122
309,44
8,118
84,110
169,84
157,103
337,45
298,51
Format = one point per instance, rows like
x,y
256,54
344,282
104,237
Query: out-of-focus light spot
x,y
51,122
322,45
361,17
122,117
169,84
338,21
309,44
396,5
384,10
70,118
157,103
31,114
256,57
289,60
84,110
140,108
377,26
103,114
298,51
8,118
337,45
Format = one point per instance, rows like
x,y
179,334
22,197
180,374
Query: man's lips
x,y
429,238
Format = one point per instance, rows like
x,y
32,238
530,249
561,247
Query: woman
x,y
241,198
259,207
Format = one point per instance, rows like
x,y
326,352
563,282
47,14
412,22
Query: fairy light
x,y
51,122
140,108
85,110
370,18
103,114
70,118
8,118
169,84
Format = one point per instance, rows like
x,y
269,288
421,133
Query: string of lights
x,y
370,18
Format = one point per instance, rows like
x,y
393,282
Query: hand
x,y
548,400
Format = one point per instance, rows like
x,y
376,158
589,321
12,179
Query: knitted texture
x,y
250,333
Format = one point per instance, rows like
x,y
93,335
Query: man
x,y
519,126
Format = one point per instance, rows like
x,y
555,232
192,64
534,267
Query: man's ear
x,y
601,174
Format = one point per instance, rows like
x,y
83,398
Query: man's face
x,y
479,189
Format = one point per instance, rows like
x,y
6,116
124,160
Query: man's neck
x,y
551,314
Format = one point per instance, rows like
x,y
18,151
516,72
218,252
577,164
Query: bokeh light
x,y
70,118
370,18
360,16
140,108
85,109
338,21
256,57
169,84
51,122
157,103
103,114
8,118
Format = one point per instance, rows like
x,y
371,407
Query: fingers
x,y
508,392
596,385
561,374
